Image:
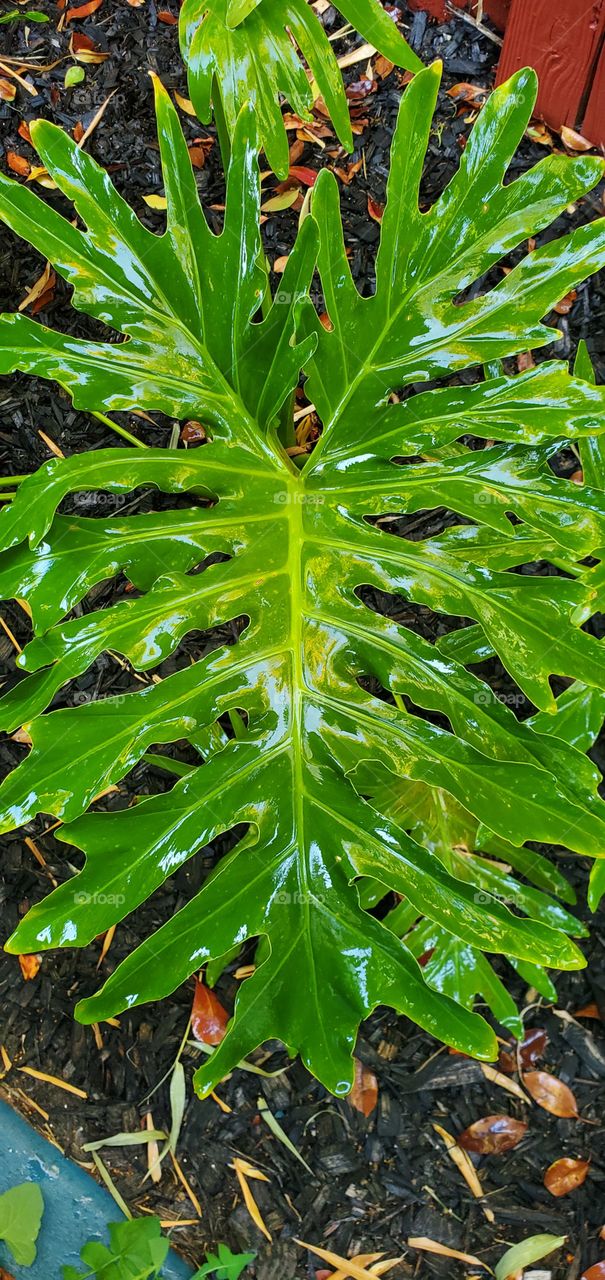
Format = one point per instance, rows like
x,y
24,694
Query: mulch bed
x,y
376,1180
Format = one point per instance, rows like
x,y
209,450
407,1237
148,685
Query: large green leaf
x,y
319,683
451,965
250,51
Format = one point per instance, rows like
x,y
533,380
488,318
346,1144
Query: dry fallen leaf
x,y
243,1171
155,202
30,966
492,1135
465,1166
528,1050
18,163
433,1246
208,1017
83,10
551,1094
565,1175
185,104
364,1094
380,1266
350,1267
596,1272
574,140
496,1077
472,94
375,209
8,90
563,307
589,1011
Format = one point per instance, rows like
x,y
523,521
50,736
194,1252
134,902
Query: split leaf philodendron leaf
x,y
310,682
250,51
436,820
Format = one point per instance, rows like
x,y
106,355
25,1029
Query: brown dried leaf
x,y
364,1094
563,307
574,140
375,210
8,90
589,1011
472,94
565,1175
18,163
30,966
83,10
551,1094
383,67
596,1272
529,1050
492,1135
208,1017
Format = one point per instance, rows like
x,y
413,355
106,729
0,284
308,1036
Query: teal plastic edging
x,y
76,1208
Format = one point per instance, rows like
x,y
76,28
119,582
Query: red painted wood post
x,y
563,40
593,124
497,10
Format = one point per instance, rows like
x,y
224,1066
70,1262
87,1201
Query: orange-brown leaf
x,y
529,1050
83,10
30,966
208,1017
551,1094
565,1175
18,163
364,1094
596,1272
492,1134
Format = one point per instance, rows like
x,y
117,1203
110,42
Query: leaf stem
x,y
121,431
8,480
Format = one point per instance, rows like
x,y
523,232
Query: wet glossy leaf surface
x,y
255,54
550,1093
208,1017
314,691
492,1135
565,1175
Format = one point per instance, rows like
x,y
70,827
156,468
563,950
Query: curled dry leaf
x,y
565,1175
364,1094
574,140
471,94
492,1135
208,1017
8,90
30,966
375,209
551,1094
528,1050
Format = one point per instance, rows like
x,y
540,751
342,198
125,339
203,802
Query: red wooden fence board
x,y
497,10
562,39
593,124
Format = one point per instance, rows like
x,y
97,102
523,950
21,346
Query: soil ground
x,y
376,1181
